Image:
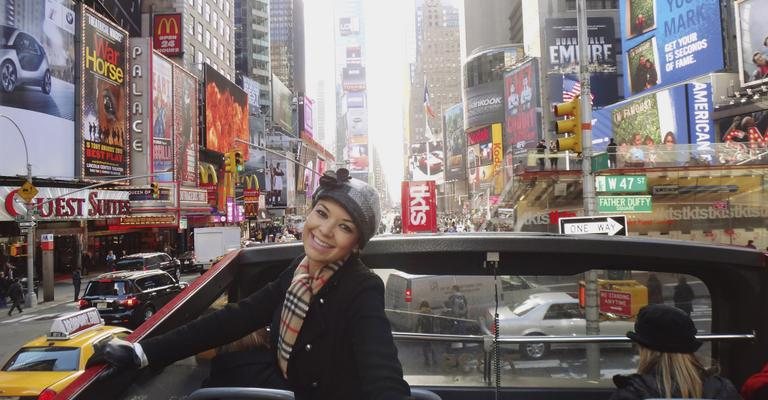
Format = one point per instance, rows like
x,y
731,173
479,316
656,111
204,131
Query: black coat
x,y
636,387
345,348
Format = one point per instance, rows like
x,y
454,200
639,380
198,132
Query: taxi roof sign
x,y
67,326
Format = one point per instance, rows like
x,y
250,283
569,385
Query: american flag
x,y
427,107
572,88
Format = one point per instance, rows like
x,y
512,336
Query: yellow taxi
x,y
44,366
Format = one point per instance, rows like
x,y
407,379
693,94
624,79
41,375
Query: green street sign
x,y
621,183
631,204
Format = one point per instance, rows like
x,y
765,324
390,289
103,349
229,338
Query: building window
x,y
199,59
199,32
207,13
207,39
199,6
215,46
226,33
215,20
191,26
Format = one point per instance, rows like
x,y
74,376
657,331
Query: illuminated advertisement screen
x,y
521,95
484,158
668,42
226,114
104,119
162,118
752,35
185,125
39,45
455,142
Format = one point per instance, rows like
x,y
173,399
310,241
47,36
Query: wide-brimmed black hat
x,y
665,328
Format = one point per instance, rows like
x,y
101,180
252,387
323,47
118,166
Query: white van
x,y
405,292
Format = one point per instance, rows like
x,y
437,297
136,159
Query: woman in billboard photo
x,y
330,337
761,65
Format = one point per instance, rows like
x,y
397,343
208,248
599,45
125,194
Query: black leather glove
x,y
118,353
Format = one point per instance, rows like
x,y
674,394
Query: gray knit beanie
x,y
358,198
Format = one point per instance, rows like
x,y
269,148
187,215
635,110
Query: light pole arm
x,y
24,141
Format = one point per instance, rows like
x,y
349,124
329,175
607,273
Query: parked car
x,y
549,314
22,61
130,297
146,261
188,262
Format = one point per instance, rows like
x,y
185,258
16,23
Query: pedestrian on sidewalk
x,y
4,285
16,295
86,262
683,295
111,260
76,279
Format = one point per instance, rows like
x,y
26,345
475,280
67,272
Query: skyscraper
x,y
286,27
252,58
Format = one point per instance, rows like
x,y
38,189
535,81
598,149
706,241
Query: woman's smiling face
x,y
329,233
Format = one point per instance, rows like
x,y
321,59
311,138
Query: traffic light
x,y
571,127
155,190
229,162
239,162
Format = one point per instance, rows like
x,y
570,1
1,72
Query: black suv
x,y
147,261
130,297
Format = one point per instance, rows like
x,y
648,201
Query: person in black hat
x,y
668,367
330,337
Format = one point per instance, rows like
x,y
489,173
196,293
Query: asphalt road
x,y
31,323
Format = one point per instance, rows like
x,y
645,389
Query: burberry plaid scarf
x,y
303,287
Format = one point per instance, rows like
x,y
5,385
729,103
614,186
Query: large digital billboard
x,y
563,44
357,153
667,42
162,118
484,158
41,34
226,114
645,123
521,94
562,56
185,125
281,105
455,142
104,93
752,39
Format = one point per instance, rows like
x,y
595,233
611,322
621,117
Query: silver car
x,y
22,61
549,314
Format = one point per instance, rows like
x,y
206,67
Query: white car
x,y
549,314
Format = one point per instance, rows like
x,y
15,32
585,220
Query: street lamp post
x,y
29,224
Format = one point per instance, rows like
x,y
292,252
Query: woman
x,y
668,368
331,337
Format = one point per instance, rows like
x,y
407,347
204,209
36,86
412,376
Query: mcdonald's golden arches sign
x,y
167,32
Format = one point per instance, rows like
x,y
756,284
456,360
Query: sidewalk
x,y
63,292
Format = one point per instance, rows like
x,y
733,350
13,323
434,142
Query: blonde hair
x,y
677,374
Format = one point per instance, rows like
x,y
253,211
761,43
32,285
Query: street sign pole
x,y
588,186
29,219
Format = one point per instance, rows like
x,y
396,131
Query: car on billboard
x,y
22,61
431,164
